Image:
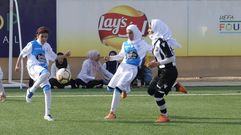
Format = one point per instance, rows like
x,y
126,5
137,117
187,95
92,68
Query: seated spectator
x,y
111,66
59,63
93,74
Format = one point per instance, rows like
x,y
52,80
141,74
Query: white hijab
x,y
162,31
136,32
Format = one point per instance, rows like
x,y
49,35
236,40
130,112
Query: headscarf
x,y
96,65
162,31
136,32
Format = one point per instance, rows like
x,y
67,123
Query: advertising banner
x,y
203,28
101,25
33,14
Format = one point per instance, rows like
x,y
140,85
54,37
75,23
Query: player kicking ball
x,y
38,53
132,52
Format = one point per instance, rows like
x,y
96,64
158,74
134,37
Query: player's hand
x,y
107,58
153,64
17,68
68,53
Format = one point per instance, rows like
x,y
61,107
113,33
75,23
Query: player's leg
x,y
152,87
42,74
121,89
2,91
179,87
47,96
164,85
114,104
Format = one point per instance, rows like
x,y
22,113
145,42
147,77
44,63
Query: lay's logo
x,y
112,25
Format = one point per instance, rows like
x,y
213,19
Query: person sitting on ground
x,y
59,63
93,74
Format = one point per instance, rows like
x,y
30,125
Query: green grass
x,y
216,111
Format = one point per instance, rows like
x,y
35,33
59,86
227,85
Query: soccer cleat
x,y
29,96
162,119
3,98
110,116
180,88
123,94
48,117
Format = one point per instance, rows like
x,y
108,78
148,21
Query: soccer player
x,y
163,45
2,91
38,53
132,52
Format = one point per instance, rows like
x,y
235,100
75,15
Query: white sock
x,y
2,92
115,100
47,95
40,80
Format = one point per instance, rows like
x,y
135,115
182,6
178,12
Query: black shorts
x,y
165,79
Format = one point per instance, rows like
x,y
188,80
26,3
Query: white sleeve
x,y
53,71
26,50
50,55
119,56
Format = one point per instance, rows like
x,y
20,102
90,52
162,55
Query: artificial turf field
x,y
204,111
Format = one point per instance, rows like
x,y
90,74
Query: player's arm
x,y
116,57
26,51
169,57
155,63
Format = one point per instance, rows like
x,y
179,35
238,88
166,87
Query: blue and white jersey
x,y
133,54
38,54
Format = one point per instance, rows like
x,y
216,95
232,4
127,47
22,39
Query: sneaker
x,y
180,88
48,117
29,96
123,94
162,119
110,116
3,98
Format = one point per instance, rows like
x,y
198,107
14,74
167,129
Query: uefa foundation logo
x,y
228,24
112,25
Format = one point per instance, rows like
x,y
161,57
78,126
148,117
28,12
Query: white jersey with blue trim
x,y
133,54
38,54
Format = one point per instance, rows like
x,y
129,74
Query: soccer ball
x,y
63,75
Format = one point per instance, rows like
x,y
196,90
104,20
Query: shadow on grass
x,y
206,120
128,122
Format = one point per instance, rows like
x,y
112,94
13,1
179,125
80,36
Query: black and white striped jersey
x,y
164,53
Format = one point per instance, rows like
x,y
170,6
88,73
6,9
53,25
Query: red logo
x,y
113,24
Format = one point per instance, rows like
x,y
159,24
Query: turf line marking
x,y
67,96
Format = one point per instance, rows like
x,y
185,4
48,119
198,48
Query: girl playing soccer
x,y
132,52
38,53
163,50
